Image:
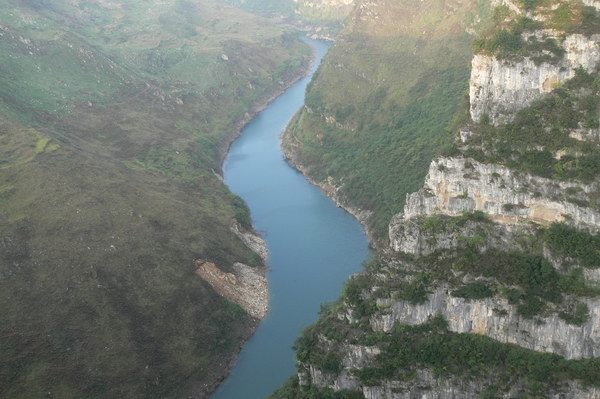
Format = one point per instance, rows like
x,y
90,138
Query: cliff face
x,y
491,260
498,319
458,185
455,186
428,385
499,87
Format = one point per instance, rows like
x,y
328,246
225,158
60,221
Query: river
x,y
314,246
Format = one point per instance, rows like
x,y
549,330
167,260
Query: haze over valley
x,y
299,199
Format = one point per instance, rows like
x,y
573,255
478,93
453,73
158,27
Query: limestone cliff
x,y
533,50
491,274
496,318
500,87
427,385
458,185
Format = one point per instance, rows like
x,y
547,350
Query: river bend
x,y
313,245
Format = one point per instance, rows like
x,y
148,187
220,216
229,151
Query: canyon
x,y
480,268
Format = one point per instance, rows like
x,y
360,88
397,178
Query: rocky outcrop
x,y
583,134
501,87
408,236
246,286
592,3
252,241
432,388
466,208
354,357
508,3
425,384
457,185
496,318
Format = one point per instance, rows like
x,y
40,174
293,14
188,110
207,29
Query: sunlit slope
x,y
113,119
321,16
380,107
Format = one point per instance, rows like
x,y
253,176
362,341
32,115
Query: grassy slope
x,y
393,83
112,119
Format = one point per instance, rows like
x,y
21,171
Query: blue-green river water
x,y
313,245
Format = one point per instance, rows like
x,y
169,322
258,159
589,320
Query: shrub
x,y
577,315
353,295
415,291
529,143
431,345
566,242
476,290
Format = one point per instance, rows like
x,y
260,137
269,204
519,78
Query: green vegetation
x,y
508,43
432,346
531,141
327,17
394,93
435,224
353,295
292,390
327,360
113,119
527,280
574,18
40,145
579,246
507,37
416,290
351,122
241,212
577,315
476,290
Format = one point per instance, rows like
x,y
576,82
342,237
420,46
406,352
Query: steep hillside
x,y
490,286
320,18
114,117
380,108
